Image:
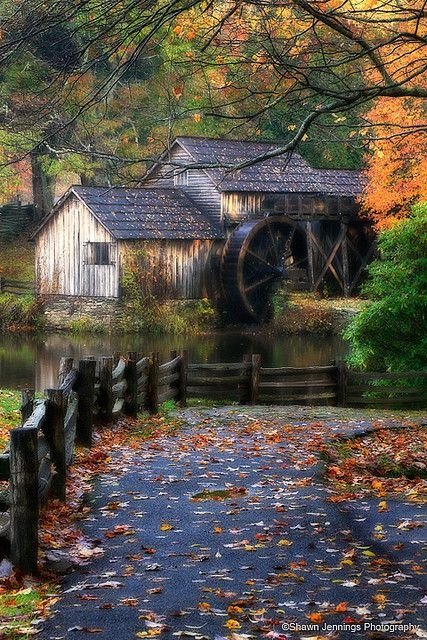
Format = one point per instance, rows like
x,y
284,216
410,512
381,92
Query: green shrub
x,y
19,312
301,314
390,332
179,317
86,324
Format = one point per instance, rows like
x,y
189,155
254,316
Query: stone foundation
x,y
61,311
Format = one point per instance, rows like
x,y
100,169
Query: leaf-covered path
x,y
226,529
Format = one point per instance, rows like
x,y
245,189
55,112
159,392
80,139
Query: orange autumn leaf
x,y
120,529
166,526
284,543
232,624
315,617
380,599
341,607
234,610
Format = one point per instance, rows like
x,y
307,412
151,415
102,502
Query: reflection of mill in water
x,y
28,362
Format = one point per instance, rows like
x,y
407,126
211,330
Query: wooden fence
x,y
249,382
104,387
17,287
14,219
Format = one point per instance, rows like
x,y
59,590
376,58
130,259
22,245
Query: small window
x,y
180,177
98,253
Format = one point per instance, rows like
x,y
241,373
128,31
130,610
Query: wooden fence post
x,y
55,436
245,387
27,404
86,392
153,384
65,366
255,377
182,382
24,488
130,407
105,387
342,380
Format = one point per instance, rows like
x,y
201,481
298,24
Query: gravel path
x,y
272,551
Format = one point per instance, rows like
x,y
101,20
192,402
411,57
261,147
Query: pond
x,y
32,361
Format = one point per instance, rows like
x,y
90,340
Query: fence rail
x,y
103,387
17,287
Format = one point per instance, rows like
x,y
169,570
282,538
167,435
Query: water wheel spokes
x,y
255,259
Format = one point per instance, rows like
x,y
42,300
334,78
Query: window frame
x,y
99,254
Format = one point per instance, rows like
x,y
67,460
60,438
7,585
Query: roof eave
x,y
70,191
55,207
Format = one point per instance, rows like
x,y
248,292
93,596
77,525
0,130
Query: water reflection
x,y
30,361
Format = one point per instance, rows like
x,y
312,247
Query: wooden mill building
x,y
202,227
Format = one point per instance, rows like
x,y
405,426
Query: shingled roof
x,y
145,214
288,173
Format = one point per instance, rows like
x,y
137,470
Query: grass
x,y
309,313
20,606
17,260
19,313
10,415
86,324
164,422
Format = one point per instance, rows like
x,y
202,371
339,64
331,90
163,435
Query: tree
x,y
328,55
275,66
397,164
389,334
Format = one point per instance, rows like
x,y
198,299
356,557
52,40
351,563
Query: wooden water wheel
x,y
256,257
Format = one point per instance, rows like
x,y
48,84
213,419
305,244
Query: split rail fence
x,y
103,388
17,287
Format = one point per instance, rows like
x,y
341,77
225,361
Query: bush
x,y
177,317
300,314
86,324
389,333
19,312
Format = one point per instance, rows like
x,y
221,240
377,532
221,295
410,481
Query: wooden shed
x,y
82,246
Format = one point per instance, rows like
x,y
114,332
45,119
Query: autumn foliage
x,y
397,165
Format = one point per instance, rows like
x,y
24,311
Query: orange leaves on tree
x,y
397,167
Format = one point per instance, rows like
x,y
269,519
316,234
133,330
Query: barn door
x,y
99,270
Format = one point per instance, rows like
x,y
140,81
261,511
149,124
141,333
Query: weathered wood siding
x,y
238,206
200,187
170,269
60,258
